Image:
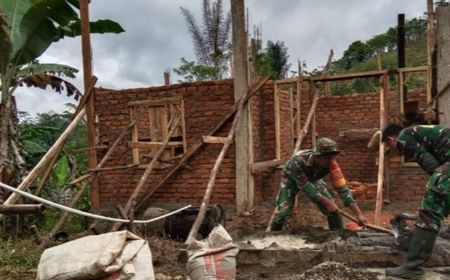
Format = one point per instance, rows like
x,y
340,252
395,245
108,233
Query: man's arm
x,y
340,185
410,147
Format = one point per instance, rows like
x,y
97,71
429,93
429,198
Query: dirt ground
x,y
166,252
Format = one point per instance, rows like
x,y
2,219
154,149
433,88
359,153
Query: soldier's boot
x,y
335,221
276,226
420,249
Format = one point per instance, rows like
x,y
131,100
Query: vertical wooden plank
x,y
240,83
90,112
277,121
313,121
183,125
163,113
443,64
299,109
430,46
134,138
291,119
401,81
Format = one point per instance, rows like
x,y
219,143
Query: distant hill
x,y
362,56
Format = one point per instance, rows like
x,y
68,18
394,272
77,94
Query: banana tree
x,y
27,29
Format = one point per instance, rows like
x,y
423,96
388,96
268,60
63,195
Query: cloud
x,y
156,37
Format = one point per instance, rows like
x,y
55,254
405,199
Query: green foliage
x,y
274,60
39,134
191,71
361,56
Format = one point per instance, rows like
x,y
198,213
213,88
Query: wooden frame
x,y
402,72
158,112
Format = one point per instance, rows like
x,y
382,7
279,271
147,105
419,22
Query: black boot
x,y
420,249
276,227
334,221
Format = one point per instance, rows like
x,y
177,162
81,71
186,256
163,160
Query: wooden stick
x,y
79,179
21,209
380,180
374,227
212,177
304,131
252,91
147,172
264,166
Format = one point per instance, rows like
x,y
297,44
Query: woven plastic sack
x,y
214,257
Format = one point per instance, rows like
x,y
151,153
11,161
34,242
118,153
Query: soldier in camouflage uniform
x,y
429,146
304,171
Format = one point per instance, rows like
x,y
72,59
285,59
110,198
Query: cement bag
x,y
114,256
212,258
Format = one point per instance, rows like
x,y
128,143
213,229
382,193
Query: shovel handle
x,y
374,227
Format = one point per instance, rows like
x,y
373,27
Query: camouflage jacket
x,y
428,145
304,173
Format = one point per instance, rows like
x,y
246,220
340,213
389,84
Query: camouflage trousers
x,y
286,199
435,204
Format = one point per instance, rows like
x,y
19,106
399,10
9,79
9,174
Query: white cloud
x,y
156,37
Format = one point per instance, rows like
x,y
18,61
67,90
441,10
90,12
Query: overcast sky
x,y
156,37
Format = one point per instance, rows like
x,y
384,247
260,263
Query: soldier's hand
x,y
331,206
362,221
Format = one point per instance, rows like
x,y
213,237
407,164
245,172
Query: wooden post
x,y
312,110
252,91
90,113
443,64
430,47
383,121
240,81
147,172
401,58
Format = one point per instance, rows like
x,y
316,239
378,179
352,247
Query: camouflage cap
x,y
325,146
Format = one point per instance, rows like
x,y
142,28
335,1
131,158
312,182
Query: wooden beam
x,y
265,166
252,91
156,102
86,149
348,76
413,69
152,145
304,131
90,110
276,105
214,139
21,209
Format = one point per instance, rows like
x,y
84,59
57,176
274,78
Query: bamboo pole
x,y
312,110
77,196
44,160
380,179
148,171
212,177
252,91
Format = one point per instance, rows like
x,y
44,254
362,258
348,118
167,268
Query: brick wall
x,y
206,103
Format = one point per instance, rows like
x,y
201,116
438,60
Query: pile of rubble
x,y
336,271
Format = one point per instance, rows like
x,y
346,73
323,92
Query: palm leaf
x,y
100,26
56,83
47,68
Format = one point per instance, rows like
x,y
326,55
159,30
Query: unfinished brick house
x,y
190,111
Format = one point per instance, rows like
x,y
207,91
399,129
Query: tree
x,y
191,71
273,61
27,29
212,39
